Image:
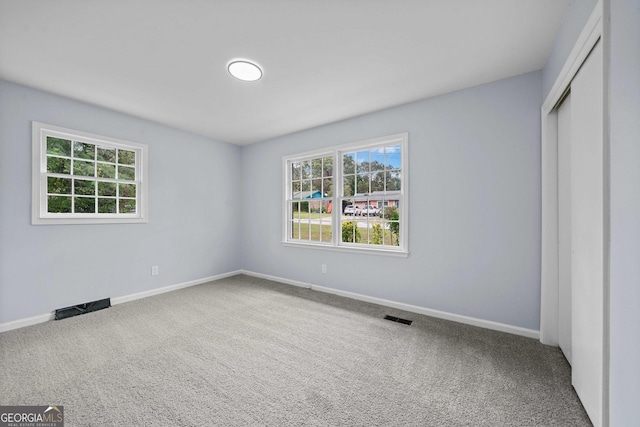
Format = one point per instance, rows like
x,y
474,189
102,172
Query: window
x,y
80,178
352,197
310,199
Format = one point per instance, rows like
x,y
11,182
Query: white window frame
x,y
39,214
336,153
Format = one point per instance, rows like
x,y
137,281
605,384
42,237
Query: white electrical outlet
x,y
154,270
324,268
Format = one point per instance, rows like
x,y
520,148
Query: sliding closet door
x,y
587,234
564,227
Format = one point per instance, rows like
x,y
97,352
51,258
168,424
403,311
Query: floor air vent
x,y
76,310
398,320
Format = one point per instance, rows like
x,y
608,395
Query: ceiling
x,y
323,60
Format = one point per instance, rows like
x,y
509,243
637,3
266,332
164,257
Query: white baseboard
x,y
152,292
21,323
487,324
277,279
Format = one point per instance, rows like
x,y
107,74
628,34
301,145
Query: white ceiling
x,y
323,60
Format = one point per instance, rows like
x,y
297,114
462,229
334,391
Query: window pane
x,y
376,157
391,214
383,210
306,169
107,154
350,232
349,185
348,163
85,204
316,188
363,184
315,207
394,233
59,204
58,185
107,188
127,190
316,168
326,233
327,187
392,157
320,221
126,157
386,237
84,151
296,188
126,173
377,181
295,230
295,209
84,187
295,171
327,167
376,233
306,188
295,220
83,168
348,207
106,171
58,146
296,215
362,160
57,165
106,205
368,208
127,206
393,180
304,231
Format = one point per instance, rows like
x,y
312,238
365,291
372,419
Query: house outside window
x,y
82,178
352,197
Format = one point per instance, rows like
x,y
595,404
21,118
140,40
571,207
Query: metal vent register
x,y
398,320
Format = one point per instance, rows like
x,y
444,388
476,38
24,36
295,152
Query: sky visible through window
x,y
388,156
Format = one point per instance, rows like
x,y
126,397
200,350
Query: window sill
x,y
352,249
86,221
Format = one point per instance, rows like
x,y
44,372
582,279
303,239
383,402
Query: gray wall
x,y
474,208
625,212
193,204
574,20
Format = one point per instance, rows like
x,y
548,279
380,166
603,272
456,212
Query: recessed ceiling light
x,y
245,70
